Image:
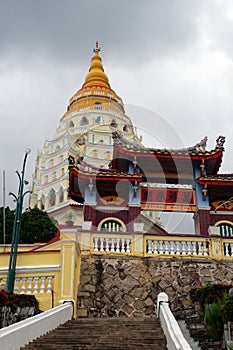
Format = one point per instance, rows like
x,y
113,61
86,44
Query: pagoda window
x,y
84,121
112,225
94,154
71,124
54,176
52,197
107,155
62,172
114,123
42,205
51,163
226,228
61,158
46,179
61,195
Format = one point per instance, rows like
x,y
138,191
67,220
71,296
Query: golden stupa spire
x,y
96,75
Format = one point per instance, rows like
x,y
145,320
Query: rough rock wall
x,y
128,286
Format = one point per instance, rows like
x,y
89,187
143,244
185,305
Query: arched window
x,y
52,197
51,163
71,124
84,121
226,228
61,195
112,225
107,156
42,205
46,179
94,154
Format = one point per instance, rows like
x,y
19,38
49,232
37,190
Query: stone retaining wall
x,y
128,286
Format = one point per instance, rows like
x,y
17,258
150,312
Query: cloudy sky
x,y
171,57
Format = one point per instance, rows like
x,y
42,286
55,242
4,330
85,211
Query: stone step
x,y
104,334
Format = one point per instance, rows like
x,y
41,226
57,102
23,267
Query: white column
x,y
42,287
36,280
29,291
49,286
23,285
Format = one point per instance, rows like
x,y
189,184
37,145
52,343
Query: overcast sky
x,y
171,57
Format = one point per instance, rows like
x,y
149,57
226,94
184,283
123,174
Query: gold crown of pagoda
x,y
96,88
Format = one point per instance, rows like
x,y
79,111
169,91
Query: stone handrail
x,y
178,246
19,334
171,329
141,244
112,244
32,284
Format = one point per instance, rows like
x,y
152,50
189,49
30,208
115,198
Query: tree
x,y
36,226
9,215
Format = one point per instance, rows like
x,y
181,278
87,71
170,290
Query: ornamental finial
x,y
97,49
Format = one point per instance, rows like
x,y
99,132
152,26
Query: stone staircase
x,y
126,333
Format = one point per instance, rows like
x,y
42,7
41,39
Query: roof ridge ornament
x,y
220,141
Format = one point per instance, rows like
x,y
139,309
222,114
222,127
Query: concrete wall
x,y
128,286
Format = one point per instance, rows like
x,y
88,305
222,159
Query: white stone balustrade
x,y
228,249
32,285
175,247
114,245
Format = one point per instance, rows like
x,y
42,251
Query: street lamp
x,y
16,227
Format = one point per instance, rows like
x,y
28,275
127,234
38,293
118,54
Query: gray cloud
x,y
66,30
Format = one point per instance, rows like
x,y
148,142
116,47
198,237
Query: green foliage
x,y
208,294
214,320
36,226
9,214
216,307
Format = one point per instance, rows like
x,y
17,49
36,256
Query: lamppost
x,y
16,227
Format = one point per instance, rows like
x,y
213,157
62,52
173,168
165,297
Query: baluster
x,y
194,248
172,247
112,246
36,279
107,245
227,249
49,286
149,246
29,291
231,245
205,248
96,248
16,289
113,227
166,247
23,285
183,245
117,227
155,248
128,241
189,248
101,244
118,245
177,247
160,247
199,248
42,286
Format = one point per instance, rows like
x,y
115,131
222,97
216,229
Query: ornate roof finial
x,y
97,49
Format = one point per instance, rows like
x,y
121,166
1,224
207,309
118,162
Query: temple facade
x,y
106,190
